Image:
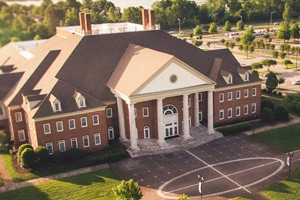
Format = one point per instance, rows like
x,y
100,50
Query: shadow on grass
x,y
25,194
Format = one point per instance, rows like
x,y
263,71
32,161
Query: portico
x,y
170,85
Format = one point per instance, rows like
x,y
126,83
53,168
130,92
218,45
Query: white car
x,y
296,82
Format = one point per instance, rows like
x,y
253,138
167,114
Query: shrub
x,y
266,103
42,156
27,158
128,190
229,130
197,43
73,154
222,41
58,157
4,141
267,115
183,197
281,113
22,147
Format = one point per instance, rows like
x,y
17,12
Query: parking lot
x,y
232,166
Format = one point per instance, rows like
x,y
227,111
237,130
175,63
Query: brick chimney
x,y
81,21
88,24
145,18
151,20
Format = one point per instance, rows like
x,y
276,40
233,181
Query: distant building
x,y
91,84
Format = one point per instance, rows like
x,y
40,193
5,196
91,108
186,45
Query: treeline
x,y
19,22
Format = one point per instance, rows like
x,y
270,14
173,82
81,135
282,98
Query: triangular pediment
x,y
174,75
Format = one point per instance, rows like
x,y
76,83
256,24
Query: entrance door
x,y
170,121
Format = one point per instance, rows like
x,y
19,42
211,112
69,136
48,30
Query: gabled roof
x,y
96,56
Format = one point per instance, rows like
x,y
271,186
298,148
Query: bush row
x,y
229,130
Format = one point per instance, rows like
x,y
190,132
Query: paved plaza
x,y
232,166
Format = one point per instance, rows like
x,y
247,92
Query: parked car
x,y
297,82
171,32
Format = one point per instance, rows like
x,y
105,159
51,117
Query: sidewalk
x,y
10,185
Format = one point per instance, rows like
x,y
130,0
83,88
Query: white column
x,y
121,119
196,109
186,128
160,125
132,128
210,114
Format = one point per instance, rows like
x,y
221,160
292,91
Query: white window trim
x,y
200,115
145,109
1,110
81,102
57,126
221,97
221,111
86,123
71,128
74,139
229,110
58,107
246,109
21,132
111,130
19,117
64,144
109,113
239,109
97,116
146,128
246,93
50,145
253,106
230,99
88,141
238,96
44,125
199,96
96,135
253,92
246,76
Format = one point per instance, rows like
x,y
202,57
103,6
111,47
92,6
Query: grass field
x,y
282,139
95,185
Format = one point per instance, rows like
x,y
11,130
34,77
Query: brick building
x,y
89,84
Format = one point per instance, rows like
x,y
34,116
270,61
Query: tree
x,y
287,62
132,14
282,55
267,115
212,28
247,39
272,82
255,73
275,54
295,31
256,65
128,190
240,26
268,63
287,13
281,80
227,26
197,30
283,32
71,18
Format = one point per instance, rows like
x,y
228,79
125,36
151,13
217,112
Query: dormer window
x,y
80,100
56,104
230,80
227,76
246,76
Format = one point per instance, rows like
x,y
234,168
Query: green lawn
x,y
285,189
95,185
282,139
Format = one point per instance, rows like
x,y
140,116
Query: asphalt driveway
x,y
232,166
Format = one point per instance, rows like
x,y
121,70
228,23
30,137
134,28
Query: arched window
x,y
169,110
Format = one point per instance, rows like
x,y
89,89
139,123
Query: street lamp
x,y
214,32
241,17
179,26
271,17
289,161
201,181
